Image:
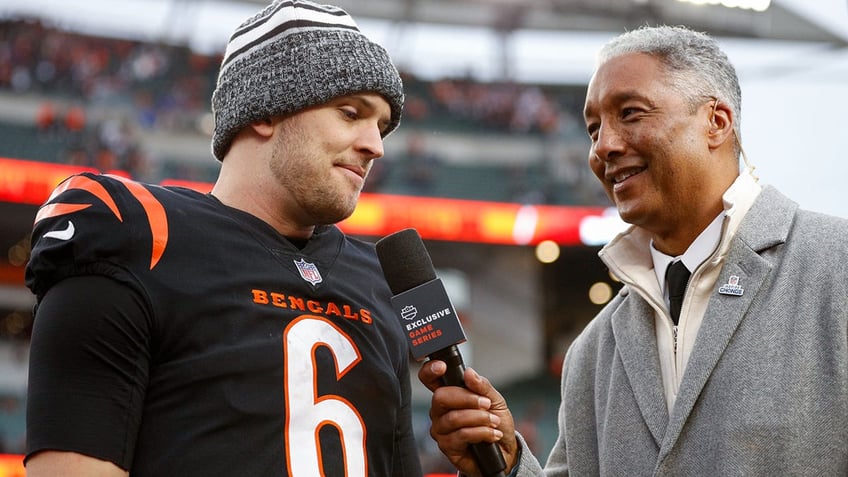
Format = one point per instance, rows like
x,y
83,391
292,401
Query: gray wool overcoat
x,y
765,392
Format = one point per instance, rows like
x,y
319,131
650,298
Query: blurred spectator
x,y
45,118
11,423
420,166
74,120
503,107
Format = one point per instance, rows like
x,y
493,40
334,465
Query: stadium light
x,y
756,5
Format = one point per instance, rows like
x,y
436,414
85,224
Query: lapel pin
x,y
731,287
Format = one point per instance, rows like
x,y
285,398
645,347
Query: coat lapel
x,y
766,224
724,313
633,327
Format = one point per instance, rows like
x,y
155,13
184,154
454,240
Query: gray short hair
x,y
699,67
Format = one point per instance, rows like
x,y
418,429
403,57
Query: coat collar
x,y
765,225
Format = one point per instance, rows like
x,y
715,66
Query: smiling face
x,y
652,149
323,154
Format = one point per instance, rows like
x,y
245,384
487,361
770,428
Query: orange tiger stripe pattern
x,y
157,219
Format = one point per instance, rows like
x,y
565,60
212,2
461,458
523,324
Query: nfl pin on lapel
x,y
732,287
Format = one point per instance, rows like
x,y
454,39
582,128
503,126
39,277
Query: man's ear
x,y
263,127
720,129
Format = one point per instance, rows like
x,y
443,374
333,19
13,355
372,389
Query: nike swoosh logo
x,y
66,234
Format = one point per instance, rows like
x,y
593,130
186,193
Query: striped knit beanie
x,y
292,55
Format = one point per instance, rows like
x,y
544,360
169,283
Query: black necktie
x,y
677,276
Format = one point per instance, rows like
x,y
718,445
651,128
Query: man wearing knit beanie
x,y
238,332
293,55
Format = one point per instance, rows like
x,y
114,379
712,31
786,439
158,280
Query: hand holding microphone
x,y
433,331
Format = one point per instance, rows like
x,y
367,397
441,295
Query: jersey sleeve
x,y
89,365
90,352
94,225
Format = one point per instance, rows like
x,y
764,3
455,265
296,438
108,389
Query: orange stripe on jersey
x,y
156,217
90,185
55,210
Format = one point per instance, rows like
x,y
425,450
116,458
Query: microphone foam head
x,y
405,261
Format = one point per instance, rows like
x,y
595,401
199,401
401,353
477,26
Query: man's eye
x,y
351,113
627,112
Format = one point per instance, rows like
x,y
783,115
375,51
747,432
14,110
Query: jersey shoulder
x,y
95,224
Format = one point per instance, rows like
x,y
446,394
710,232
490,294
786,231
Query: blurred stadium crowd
x,y
96,101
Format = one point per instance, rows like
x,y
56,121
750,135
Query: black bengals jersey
x,y
177,336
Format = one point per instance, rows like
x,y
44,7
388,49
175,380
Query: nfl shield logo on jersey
x,y
308,271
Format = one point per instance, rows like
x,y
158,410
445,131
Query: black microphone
x,y
429,320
